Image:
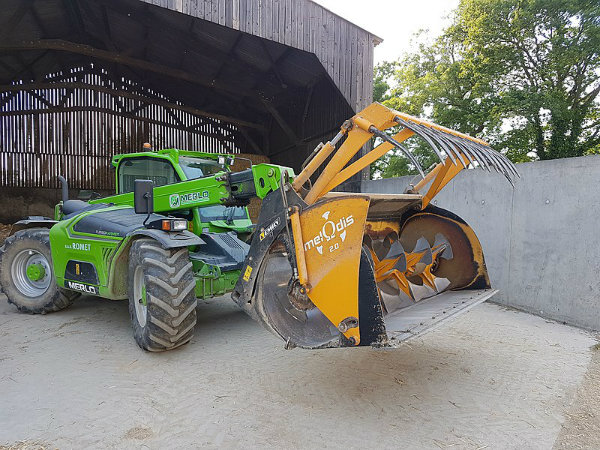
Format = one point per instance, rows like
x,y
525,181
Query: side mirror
x,y
143,196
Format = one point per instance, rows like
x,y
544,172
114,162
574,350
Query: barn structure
x,y
83,79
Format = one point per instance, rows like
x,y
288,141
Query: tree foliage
x,y
522,74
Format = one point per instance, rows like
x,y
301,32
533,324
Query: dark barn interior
x,y
81,80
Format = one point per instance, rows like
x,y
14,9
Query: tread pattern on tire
x,y
55,298
170,296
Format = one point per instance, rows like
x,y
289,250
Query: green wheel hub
x,y
36,272
31,272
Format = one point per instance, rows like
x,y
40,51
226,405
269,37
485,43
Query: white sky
x,y
395,21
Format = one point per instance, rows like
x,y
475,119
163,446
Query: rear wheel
x,y
27,275
162,301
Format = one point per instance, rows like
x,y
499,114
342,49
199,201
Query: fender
x,y
117,268
169,240
32,222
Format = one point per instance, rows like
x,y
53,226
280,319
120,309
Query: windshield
x,y
220,212
199,168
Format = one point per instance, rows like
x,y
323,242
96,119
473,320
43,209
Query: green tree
x,y
522,74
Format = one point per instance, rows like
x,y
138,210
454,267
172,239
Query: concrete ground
x,y
494,378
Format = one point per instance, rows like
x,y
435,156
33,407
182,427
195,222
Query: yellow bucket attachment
x,y
330,237
361,269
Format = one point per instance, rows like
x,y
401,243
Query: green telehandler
x,y
320,268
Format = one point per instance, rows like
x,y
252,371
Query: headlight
x,y
174,225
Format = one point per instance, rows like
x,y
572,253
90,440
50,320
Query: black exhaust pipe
x,y
64,187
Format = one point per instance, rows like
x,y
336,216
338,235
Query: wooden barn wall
x,y
344,50
78,140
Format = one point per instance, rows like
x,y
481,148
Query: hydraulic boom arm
x,y
225,188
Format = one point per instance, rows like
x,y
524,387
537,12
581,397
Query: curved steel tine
x,y
459,143
469,153
398,145
510,164
501,165
482,158
496,163
454,147
486,156
412,158
506,170
463,144
414,127
435,136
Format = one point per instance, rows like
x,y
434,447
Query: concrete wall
x,y
541,240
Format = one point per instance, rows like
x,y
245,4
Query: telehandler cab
x,y
320,268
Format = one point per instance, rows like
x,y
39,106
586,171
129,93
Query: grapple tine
x,y
509,164
412,158
433,138
452,145
500,165
481,158
413,127
466,148
484,156
494,158
398,145
473,150
487,155
436,136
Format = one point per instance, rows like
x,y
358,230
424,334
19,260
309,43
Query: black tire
x,y
169,316
22,293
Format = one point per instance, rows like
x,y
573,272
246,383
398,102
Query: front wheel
x,y
27,276
162,301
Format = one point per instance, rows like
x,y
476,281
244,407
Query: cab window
x,y
199,168
160,171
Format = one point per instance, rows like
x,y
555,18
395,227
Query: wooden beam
x,y
219,129
69,109
251,141
311,89
8,98
40,97
280,121
44,33
174,117
306,140
126,94
153,20
273,66
87,50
